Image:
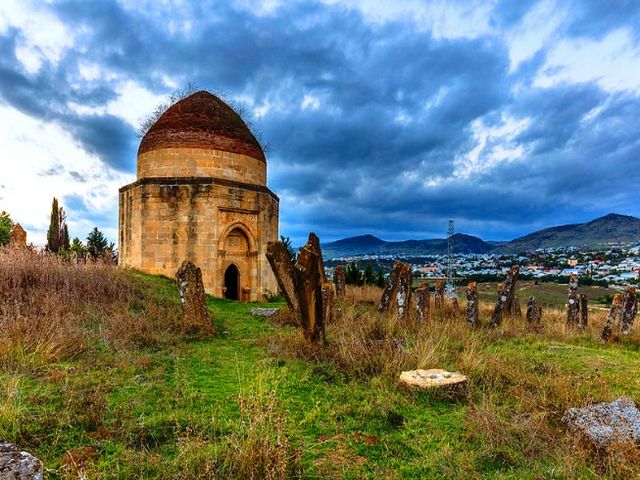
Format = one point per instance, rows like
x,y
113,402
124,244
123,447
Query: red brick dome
x,y
202,120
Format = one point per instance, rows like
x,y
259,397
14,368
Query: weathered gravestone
x,y
584,311
472,314
453,304
573,303
438,299
505,296
195,315
18,465
339,280
423,307
605,425
614,314
397,293
534,313
514,308
17,237
304,285
629,310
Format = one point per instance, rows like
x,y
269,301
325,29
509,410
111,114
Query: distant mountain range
x,y
612,228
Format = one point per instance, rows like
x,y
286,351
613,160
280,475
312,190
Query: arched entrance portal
x,y
237,247
232,283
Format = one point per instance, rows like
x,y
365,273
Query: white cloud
x,y
310,102
494,145
134,102
537,29
43,37
443,18
613,62
31,148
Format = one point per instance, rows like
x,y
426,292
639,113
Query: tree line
x,y
96,246
354,276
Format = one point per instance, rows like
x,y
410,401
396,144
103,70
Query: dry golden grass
x,y
515,403
260,449
52,310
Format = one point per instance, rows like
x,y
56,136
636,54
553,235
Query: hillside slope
x,y
612,228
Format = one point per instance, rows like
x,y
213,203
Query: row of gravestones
x,y
397,295
310,296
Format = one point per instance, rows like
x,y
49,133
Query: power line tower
x,y
450,285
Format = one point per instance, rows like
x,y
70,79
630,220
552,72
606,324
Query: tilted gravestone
x,y
423,307
629,310
472,314
614,314
339,280
304,285
397,293
17,237
438,298
573,302
505,296
584,311
195,315
534,313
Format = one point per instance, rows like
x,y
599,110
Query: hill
x,y
612,228
370,245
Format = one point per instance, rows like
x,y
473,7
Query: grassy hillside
x,y
256,402
601,231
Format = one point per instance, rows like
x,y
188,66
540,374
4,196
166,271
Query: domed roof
x,y
202,120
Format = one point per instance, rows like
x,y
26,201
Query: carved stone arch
x,y
253,247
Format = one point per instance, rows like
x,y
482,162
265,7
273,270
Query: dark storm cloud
x,y
388,107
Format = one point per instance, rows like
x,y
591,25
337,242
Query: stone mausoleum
x,y
201,195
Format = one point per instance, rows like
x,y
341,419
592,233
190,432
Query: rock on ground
x,y
606,424
448,384
18,465
264,311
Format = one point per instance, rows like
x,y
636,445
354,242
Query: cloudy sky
x,y
378,117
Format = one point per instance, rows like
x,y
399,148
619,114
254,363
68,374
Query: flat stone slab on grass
x,y
264,312
18,465
606,424
436,379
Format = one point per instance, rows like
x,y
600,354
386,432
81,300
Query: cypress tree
x,y
58,233
53,244
65,237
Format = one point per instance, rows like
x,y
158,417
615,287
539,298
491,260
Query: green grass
x,y
166,412
547,294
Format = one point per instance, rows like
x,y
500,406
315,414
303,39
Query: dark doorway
x,y
232,282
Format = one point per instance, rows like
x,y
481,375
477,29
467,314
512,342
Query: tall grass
x,y
515,401
254,446
52,310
